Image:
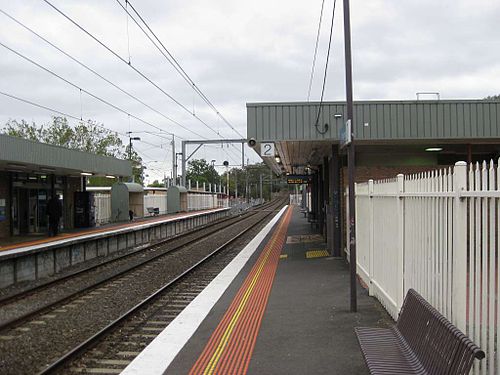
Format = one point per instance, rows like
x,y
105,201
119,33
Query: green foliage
x,y
493,98
250,176
200,171
137,167
86,136
156,183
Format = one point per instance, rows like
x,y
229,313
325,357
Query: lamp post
x,y
130,139
213,172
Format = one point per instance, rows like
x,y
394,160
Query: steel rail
x,y
39,287
26,316
87,343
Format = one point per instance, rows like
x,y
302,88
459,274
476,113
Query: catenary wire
x,y
99,75
49,109
315,50
84,90
130,65
171,59
326,71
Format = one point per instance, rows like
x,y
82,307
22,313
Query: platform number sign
x,y
267,150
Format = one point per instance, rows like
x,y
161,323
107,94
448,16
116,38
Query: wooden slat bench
x,y
422,342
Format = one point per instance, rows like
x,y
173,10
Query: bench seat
x,y
385,353
422,342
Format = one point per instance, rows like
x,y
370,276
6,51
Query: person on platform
x,y
131,215
54,211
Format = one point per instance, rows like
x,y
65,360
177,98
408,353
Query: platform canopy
x,y
25,156
382,129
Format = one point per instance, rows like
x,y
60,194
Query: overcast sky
x,y
238,52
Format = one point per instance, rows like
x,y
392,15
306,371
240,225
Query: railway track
x,y
156,290
13,312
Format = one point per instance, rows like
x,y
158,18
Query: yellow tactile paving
x,y
316,254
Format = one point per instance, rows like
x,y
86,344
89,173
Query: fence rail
x,y
436,232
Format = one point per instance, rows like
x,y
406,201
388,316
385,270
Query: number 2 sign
x,y
267,149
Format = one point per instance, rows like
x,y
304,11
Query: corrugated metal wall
x,y
380,120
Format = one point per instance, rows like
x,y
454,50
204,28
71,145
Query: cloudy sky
x,y
236,52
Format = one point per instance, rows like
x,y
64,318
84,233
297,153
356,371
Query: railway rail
x,y
156,287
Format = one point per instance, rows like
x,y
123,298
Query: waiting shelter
x,y
31,172
126,197
177,199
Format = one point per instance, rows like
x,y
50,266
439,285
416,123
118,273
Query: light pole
x,y
130,139
213,173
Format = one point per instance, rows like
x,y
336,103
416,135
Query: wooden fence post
x,y
401,244
459,289
371,255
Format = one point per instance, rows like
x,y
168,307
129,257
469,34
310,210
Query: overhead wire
x,y
325,74
85,66
173,61
114,106
65,114
130,65
315,50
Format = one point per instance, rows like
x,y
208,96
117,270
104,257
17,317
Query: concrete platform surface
x,y
306,326
28,242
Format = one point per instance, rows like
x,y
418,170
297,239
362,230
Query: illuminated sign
x,y
298,179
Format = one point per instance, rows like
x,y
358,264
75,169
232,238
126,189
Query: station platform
x,y
280,307
27,241
36,259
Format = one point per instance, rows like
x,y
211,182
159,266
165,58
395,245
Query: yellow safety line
x,y
234,320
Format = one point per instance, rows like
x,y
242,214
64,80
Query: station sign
x,y
345,134
298,179
267,149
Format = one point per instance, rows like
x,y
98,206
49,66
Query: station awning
x,y
25,156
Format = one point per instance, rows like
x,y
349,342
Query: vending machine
x,y
84,209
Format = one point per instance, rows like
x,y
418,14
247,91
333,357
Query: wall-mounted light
x,y
86,174
109,176
337,115
14,165
434,149
278,159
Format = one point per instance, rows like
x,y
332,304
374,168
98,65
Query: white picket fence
x,y
196,201
436,232
199,201
156,201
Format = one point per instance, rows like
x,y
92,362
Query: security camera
x,y
252,142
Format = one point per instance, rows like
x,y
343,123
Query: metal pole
x,y
260,187
236,184
183,165
242,155
174,160
350,156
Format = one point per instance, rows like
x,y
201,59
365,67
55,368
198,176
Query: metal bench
x,y
422,342
153,210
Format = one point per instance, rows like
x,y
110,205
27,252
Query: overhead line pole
x,y
350,156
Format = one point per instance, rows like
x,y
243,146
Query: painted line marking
x,y
230,347
160,353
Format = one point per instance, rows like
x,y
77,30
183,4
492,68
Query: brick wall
x,y
5,194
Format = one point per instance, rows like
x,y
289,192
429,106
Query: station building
x,y
31,172
391,137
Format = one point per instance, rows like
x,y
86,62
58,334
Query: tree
x,y
137,167
200,171
86,136
156,183
493,98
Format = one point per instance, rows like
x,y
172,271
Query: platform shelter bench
x,y
153,210
422,342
